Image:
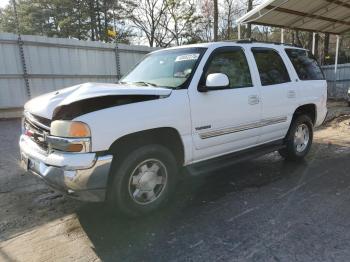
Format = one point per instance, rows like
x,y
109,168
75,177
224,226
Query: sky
x,y
3,3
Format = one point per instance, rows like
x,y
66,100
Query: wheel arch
x,y
165,136
306,109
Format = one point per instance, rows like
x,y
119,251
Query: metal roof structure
x,y
326,16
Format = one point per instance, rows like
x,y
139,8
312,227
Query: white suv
x,y
200,106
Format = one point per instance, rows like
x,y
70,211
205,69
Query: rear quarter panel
x,y
314,92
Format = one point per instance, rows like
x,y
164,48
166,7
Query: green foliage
x,y
81,19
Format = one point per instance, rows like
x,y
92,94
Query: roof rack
x,y
252,40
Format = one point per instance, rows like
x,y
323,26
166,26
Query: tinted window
x,y
272,69
233,63
305,64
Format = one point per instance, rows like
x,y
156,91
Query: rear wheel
x,y
299,139
143,181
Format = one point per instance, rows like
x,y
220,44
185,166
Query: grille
x,y
38,128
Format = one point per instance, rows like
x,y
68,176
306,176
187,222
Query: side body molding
x,y
229,130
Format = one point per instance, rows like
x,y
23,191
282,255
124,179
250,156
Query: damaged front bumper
x,y
80,175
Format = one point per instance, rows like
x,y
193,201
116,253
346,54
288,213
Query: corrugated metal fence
x,y
339,83
54,63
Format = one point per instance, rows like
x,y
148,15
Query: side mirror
x,y
215,81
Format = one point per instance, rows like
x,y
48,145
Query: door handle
x,y
291,94
253,100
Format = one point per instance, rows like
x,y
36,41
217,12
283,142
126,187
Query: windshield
x,y
168,68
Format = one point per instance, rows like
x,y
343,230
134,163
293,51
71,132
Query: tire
x,y
142,181
299,139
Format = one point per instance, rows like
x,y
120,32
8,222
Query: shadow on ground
x,y
25,201
262,210
143,238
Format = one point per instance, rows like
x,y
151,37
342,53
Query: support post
x,y
117,60
336,57
239,31
313,43
282,35
21,51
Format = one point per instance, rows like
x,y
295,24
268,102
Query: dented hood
x,y
45,105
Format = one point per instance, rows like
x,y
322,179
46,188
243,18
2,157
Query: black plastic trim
x,y
234,158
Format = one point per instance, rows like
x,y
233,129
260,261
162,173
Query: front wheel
x,y
143,181
299,139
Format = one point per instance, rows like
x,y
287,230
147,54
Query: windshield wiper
x,y
144,83
138,82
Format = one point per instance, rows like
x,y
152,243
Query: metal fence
x,y
338,83
54,63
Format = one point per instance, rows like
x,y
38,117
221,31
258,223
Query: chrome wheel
x,y
147,181
301,138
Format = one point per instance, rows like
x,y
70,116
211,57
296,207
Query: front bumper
x,y
80,175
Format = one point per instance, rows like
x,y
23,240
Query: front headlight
x,y
64,128
69,136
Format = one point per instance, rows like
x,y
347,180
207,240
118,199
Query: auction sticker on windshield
x,y
187,57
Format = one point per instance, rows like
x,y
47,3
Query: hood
x,y
45,105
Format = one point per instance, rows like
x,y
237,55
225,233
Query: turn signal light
x,y
74,148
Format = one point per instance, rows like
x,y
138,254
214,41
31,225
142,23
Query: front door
x,y
225,120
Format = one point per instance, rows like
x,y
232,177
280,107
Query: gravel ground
x,y
262,210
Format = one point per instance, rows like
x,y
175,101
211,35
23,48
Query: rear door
x,y
312,86
225,120
278,93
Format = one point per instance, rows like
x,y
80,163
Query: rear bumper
x,y
321,116
80,175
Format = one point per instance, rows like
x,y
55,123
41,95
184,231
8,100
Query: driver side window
x,y
233,63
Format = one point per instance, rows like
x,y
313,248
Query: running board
x,y
233,158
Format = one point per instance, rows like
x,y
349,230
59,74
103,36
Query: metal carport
x,y
323,16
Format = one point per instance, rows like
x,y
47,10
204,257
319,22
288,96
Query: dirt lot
x,y
261,210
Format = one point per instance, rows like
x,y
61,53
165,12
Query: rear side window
x,y
305,64
272,69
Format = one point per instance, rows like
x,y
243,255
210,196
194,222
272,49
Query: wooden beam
x,y
302,14
338,2
330,26
295,28
344,31
313,11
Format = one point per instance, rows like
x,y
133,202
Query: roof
x,y
247,42
327,16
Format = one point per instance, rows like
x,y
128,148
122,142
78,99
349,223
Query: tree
x,y
181,18
326,48
216,18
81,19
228,6
230,11
249,26
317,38
146,16
206,23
